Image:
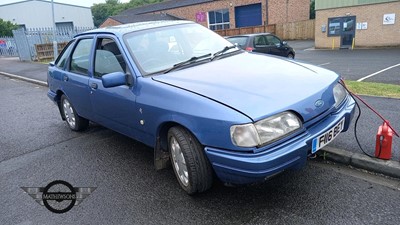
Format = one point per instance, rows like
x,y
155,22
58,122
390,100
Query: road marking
x,y
380,71
323,64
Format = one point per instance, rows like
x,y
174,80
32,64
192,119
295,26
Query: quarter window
x,y
60,62
218,19
80,57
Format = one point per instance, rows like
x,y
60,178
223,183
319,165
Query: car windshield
x,y
157,50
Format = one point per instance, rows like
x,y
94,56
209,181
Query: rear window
x,y
241,41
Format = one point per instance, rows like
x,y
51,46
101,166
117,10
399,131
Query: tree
x,y
312,9
138,3
6,28
102,11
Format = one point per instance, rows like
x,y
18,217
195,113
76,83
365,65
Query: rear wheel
x,y
189,162
74,121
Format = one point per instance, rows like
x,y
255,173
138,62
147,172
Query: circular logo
x,y
319,103
59,196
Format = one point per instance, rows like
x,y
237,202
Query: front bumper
x,y
243,168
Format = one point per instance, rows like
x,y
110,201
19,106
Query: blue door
x,y
76,78
248,15
113,107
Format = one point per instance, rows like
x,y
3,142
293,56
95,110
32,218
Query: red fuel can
x,y
384,137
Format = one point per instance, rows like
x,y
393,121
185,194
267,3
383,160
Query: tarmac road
x,y
37,148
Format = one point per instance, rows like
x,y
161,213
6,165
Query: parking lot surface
x,y
382,64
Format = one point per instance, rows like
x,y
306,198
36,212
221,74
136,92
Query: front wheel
x,y
189,162
74,121
290,56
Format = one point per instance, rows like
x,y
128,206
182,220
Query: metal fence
x,y
26,40
8,47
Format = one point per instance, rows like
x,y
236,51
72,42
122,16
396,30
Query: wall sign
x,y
362,26
389,18
201,17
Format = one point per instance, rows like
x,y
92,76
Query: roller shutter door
x,y
248,15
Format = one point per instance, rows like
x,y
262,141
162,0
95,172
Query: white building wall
x,y
38,14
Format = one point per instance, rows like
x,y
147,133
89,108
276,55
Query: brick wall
x,y
286,11
376,35
280,11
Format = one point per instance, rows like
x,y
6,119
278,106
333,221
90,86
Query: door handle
x,y
93,85
65,78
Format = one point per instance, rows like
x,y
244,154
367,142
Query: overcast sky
x,y
86,3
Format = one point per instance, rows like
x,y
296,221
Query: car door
x,y
75,77
113,107
260,44
275,45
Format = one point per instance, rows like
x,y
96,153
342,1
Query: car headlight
x,y
265,131
339,93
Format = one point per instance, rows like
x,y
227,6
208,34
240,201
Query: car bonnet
x,y
259,86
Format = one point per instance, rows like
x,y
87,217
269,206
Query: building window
x,y
218,19
334,25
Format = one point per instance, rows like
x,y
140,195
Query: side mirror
x,y
238,45
284,42
114,79
52,64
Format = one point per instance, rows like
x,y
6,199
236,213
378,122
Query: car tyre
x,y
74,121
290,56
190,164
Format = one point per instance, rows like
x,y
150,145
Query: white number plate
x,y
327,137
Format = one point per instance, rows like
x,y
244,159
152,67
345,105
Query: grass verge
x,y
374,89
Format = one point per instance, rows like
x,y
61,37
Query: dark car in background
x,y
263,43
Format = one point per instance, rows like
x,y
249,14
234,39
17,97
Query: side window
x,y
259,41
62,58
272,40
108,58
80,60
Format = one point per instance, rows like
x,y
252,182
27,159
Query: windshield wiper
x,y
225,49
187,62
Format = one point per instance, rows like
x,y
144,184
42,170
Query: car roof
x,y
127,28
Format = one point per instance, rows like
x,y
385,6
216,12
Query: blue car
x,y
204,105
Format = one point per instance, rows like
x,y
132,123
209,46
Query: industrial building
x,y
357,23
